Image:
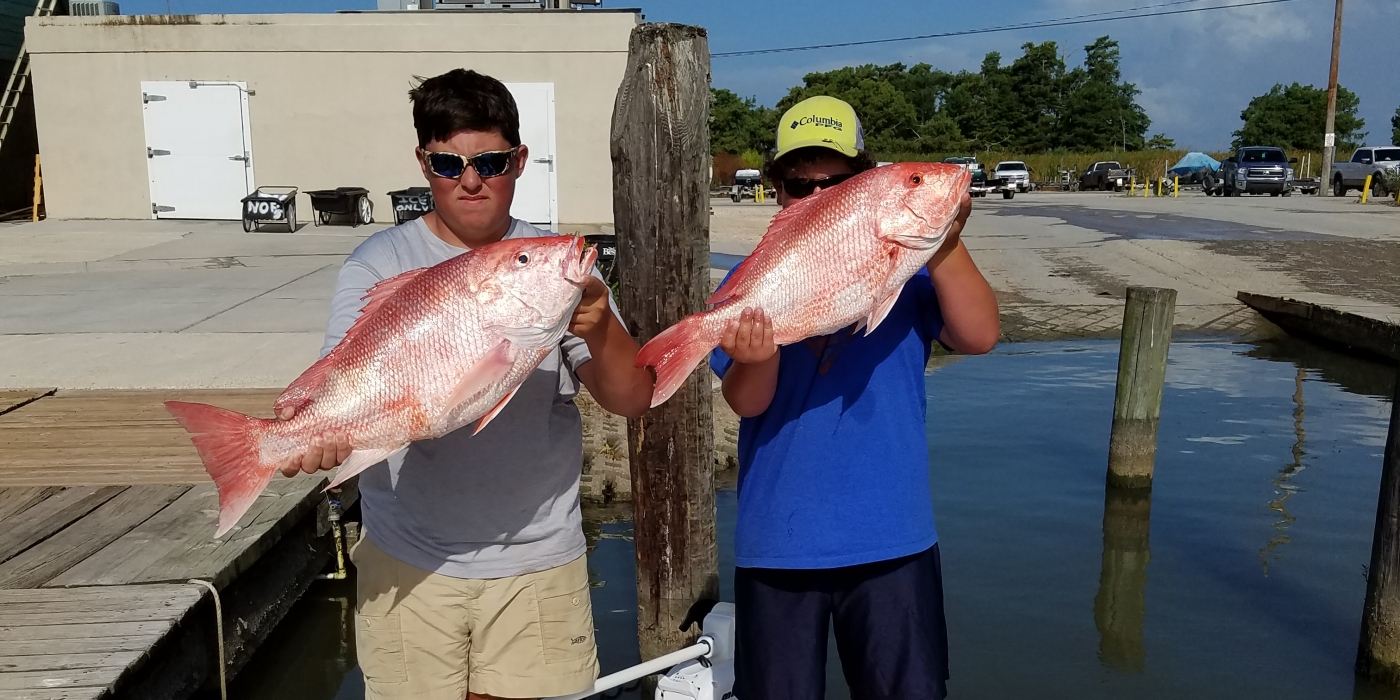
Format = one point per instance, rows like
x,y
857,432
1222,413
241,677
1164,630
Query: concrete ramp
x,y
1362,326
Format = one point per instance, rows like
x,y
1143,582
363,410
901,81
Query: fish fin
x,y
881,310
231,454
535,337
374,298
360,460
675,352
490,368
299,391
779,228
495,410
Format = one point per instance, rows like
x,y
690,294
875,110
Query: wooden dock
x,y
1366,327
105,516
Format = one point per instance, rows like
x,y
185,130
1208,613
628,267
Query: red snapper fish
x,y
433,350
833,259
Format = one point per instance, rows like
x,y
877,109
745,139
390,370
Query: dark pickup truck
x,y
1104,175
1257,170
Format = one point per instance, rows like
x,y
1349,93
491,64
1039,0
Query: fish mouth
x,y
578,267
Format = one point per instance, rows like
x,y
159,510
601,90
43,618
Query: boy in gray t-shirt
x,y
471,577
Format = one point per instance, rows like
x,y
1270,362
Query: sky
x,y
1197,71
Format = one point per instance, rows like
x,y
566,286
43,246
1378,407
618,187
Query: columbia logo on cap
x,y
818,121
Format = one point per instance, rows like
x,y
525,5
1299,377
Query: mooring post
x,y
1379,655
661,200
1142,371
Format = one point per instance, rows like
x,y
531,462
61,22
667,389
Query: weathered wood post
x,y
1142,372
1120,608
661,200
1379,655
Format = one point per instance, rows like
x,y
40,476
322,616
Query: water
x,y
1243,575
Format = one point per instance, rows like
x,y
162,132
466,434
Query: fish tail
x,y
230,450
675,353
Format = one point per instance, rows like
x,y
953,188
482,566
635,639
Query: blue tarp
x,y
1193,161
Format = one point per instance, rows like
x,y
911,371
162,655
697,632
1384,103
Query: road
x,y
178,304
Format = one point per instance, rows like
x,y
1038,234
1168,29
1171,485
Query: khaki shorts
x,y
424,635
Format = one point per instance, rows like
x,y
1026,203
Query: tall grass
x,y
1045,167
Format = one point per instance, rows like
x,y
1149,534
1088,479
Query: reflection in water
x,y
1121,605
311,651
1283,489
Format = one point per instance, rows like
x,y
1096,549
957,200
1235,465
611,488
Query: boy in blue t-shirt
x,y
835,513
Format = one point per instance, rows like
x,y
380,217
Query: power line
x,y
1062,22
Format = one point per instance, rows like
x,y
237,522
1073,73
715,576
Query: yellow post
x,y
1176,185
38,190
1366,189
758,194
1132,187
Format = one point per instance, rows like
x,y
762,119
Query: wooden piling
x,y
660,155
1379,653
1142,371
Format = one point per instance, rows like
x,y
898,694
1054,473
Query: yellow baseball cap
x,y
820,121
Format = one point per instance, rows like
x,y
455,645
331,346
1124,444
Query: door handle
x,y
242,158
544,160
153,152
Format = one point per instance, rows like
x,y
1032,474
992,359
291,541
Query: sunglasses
x,y
452,165
799,187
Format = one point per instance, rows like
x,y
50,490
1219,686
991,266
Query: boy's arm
x,y
971,322
611,375
751,380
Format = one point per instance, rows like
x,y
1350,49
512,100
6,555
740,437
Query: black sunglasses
x,y
799,187
453,165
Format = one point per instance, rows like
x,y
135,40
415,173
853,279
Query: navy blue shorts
x,y
890,631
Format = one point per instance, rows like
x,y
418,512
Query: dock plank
x,y
54,694
37,522
68,661
82,645
10,399
101,438
38,633
178,543
87,535
96,678
15,500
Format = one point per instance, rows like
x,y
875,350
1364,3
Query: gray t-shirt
x,y
501,503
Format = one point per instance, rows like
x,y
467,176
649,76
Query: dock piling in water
x,y
1379,653
661,200
1142,371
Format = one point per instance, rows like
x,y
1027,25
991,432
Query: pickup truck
x,y
981,184
1016,174
1373,161
1256,170
1105,174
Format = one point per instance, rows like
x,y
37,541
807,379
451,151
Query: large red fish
x,y
833,259
433,350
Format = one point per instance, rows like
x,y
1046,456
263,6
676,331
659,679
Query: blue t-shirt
x,y
836,472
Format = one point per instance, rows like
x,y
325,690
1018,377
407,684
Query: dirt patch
x,y
1365,269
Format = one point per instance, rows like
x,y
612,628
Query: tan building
x,y
180,116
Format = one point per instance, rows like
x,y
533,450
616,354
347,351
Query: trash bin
x,y
342,201
411,203
270,204
607,254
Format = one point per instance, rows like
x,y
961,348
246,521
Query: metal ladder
x,y
19,77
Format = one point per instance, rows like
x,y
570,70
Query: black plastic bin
x,y
270,204
607,254
411,203
351,202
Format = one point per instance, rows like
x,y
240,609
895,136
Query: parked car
x,y
979,186
1257,170
1377,162
1016,174
1105,174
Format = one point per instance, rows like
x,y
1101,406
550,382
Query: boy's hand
x,y
954,233
591,314
749,339
325,452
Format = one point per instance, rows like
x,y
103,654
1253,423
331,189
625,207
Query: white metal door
x,y
536,200
199,151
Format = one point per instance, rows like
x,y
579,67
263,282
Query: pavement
x,y
182,304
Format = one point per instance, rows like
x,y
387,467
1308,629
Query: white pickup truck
x,y
1374,161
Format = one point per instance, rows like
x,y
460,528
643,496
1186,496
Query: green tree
x,y
1294,117
1395,127
1101,112
1160,142
738,124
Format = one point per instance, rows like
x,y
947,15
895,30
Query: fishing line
x,y
1062,22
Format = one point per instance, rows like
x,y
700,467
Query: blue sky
x,y
1196,71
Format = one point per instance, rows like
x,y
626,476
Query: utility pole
x,y
1329,137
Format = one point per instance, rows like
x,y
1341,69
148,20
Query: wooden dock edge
x,y
1331,325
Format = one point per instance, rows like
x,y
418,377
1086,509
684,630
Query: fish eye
x,y
916,179
523,259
